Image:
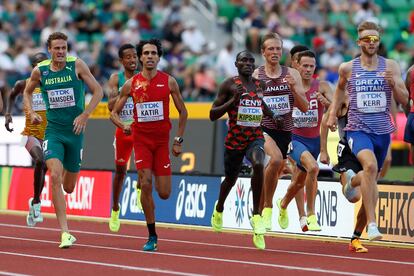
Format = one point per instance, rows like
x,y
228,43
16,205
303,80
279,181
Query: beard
x,y
369,52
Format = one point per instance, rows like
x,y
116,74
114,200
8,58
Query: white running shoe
x,y
34,215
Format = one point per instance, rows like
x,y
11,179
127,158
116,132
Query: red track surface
x,y
34,251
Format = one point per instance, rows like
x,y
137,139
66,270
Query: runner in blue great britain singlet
x,y
369,117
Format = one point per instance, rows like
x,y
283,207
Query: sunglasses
x,y
370,38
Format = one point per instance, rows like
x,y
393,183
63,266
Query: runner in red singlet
x,y
150,91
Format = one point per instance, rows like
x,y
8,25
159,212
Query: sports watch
x,y
178,139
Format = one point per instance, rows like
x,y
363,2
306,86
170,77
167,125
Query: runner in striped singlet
x,y
123,142
370,81
409,127
242,98
283,91
309,139
32,139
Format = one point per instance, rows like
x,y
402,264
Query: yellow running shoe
x,y
257,224
114,222
139,205
217,220
259,241
67,240
283,218
357,247
313,224
267,218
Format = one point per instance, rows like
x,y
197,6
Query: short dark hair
x,y
38,57
153,41
307,53
242,52
55,36
298,48
123,48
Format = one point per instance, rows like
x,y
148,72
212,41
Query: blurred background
x,y
201,39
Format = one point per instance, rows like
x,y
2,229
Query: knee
x,y
276,163
313,170
146,185
164,194
68,190
56,178
371,169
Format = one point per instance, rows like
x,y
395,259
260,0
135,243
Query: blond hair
x,y
269,36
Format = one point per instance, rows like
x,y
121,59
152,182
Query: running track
x,y
195,251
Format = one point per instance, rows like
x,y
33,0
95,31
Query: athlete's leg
x,y
387,163
120,173
39,172
311,181
145,178
272,171
55,168
257,160
296,184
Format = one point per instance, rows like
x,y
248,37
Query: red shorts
x,y
123,147
152,152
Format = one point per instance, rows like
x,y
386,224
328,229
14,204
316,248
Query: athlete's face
x,y
129,59
307,67
149,56
58,50
272,51
368,41
245,64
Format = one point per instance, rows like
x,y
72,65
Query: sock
x,y
356,235
151,229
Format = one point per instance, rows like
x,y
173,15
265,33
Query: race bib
x,y
307,119
61,98
38,104
371,102
249,116
340,149
150,111
280,105
127,113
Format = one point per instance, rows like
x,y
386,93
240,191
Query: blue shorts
x,y
378,144
409,129
301,144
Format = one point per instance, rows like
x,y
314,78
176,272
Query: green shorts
x,y
65,146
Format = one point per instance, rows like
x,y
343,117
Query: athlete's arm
x,y
325,94
182,112
223,101
113,90
408,81
17,89
82,70
28,95
294,81
339,95
324,155
393,77
119,104
179,105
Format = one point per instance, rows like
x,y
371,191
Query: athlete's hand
x,y
127,130
332,122
290,81
35,118
324,158
79,124
8,121
388,76
176,149
322,99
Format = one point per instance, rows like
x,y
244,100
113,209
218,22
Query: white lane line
x,y
221,245
135,268
6,273
272,265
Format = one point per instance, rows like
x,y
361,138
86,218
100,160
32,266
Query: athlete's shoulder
x,y
44,63
71,58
